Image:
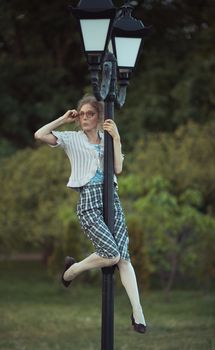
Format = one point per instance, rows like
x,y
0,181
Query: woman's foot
x,y
138,327
69,261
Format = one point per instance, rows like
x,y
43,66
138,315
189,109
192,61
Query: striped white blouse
x,y
83,157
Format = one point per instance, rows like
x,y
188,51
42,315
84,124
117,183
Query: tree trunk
x,y
175,260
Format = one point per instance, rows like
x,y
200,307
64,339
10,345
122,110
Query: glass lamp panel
x,y
94,33
127,51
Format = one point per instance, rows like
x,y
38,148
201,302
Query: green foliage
x,y
171,198
38,93
36,47
170,229
36,204
184,158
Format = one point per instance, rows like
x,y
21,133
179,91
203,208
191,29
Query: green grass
x,y
36,313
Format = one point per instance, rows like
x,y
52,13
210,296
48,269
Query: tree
x,y
43,71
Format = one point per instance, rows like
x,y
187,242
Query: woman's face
x,y
88,117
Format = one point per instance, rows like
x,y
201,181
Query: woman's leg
x,y
92,223
129,281
92,261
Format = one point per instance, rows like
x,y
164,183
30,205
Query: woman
x,y
85,150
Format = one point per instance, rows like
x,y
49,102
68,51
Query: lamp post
x,y
112,41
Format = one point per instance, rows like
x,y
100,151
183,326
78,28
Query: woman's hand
x,y
70,116
111,128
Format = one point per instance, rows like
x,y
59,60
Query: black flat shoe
x,y
138,327
69,261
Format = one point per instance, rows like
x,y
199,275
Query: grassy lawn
x,y
38,314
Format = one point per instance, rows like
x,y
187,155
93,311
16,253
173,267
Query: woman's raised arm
x,y
44,134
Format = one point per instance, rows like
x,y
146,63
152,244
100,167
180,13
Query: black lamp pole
x,y
108,91
107,335
116,70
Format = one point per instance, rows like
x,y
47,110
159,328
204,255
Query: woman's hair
x,y
98,105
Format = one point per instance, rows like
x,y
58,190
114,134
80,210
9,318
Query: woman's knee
x,y
122,263
113,261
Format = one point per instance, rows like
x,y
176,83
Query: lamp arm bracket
x,y
106,79
121,95
101,93
94,74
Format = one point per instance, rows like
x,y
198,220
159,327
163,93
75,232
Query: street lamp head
x,y
95,18
128,36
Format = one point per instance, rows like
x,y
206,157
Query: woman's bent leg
x,y
129,281
92,261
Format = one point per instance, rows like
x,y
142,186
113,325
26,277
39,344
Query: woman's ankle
x,y
138,315
70,274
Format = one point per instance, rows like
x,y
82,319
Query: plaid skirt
x,y
90,214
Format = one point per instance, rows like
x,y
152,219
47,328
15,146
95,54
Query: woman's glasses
x,y
88,114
